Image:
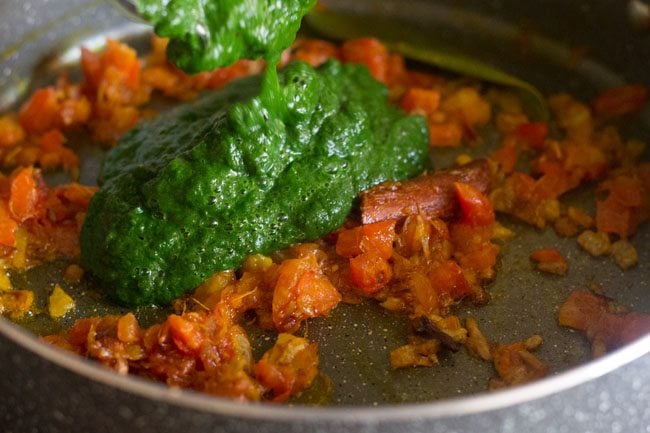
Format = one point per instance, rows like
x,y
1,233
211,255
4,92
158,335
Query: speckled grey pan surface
x,y
43,390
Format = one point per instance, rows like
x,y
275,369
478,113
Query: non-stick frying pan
x,y
45,390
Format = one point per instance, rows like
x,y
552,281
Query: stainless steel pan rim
x,y
497,409
484,402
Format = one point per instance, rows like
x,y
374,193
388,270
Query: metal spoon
x,y
129,9
639,14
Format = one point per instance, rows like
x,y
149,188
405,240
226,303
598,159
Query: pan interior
x,y
356,339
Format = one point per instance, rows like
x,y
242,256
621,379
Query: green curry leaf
x,y
402,40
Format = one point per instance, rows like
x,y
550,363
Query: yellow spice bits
x,y
13,303
5,281
59,303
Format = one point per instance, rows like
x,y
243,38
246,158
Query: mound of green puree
x,y
199,188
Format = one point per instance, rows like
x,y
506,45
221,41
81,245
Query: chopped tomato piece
x,y
532,134
377,236
423,79
380,236
546,255
396,74
123,58
620,101
52,141
421,101
625,190
11,132
75,111
370,272
289,367
370,52
222,76
481,259
550,260
449,280
184,333
349,242
552,185
448,134
164,79
26,194
8,227
301,291
128,330
612,217
369,247
425,297
91,66
624,208
475,207
506,156
467,105
315,51
41,112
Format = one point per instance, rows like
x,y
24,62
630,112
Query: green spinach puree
x,y
205,34
260,165
199,188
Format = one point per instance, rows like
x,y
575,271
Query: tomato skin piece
x,y
594,315
476,208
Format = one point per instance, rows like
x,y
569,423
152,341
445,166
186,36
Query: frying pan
x,y
45,390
